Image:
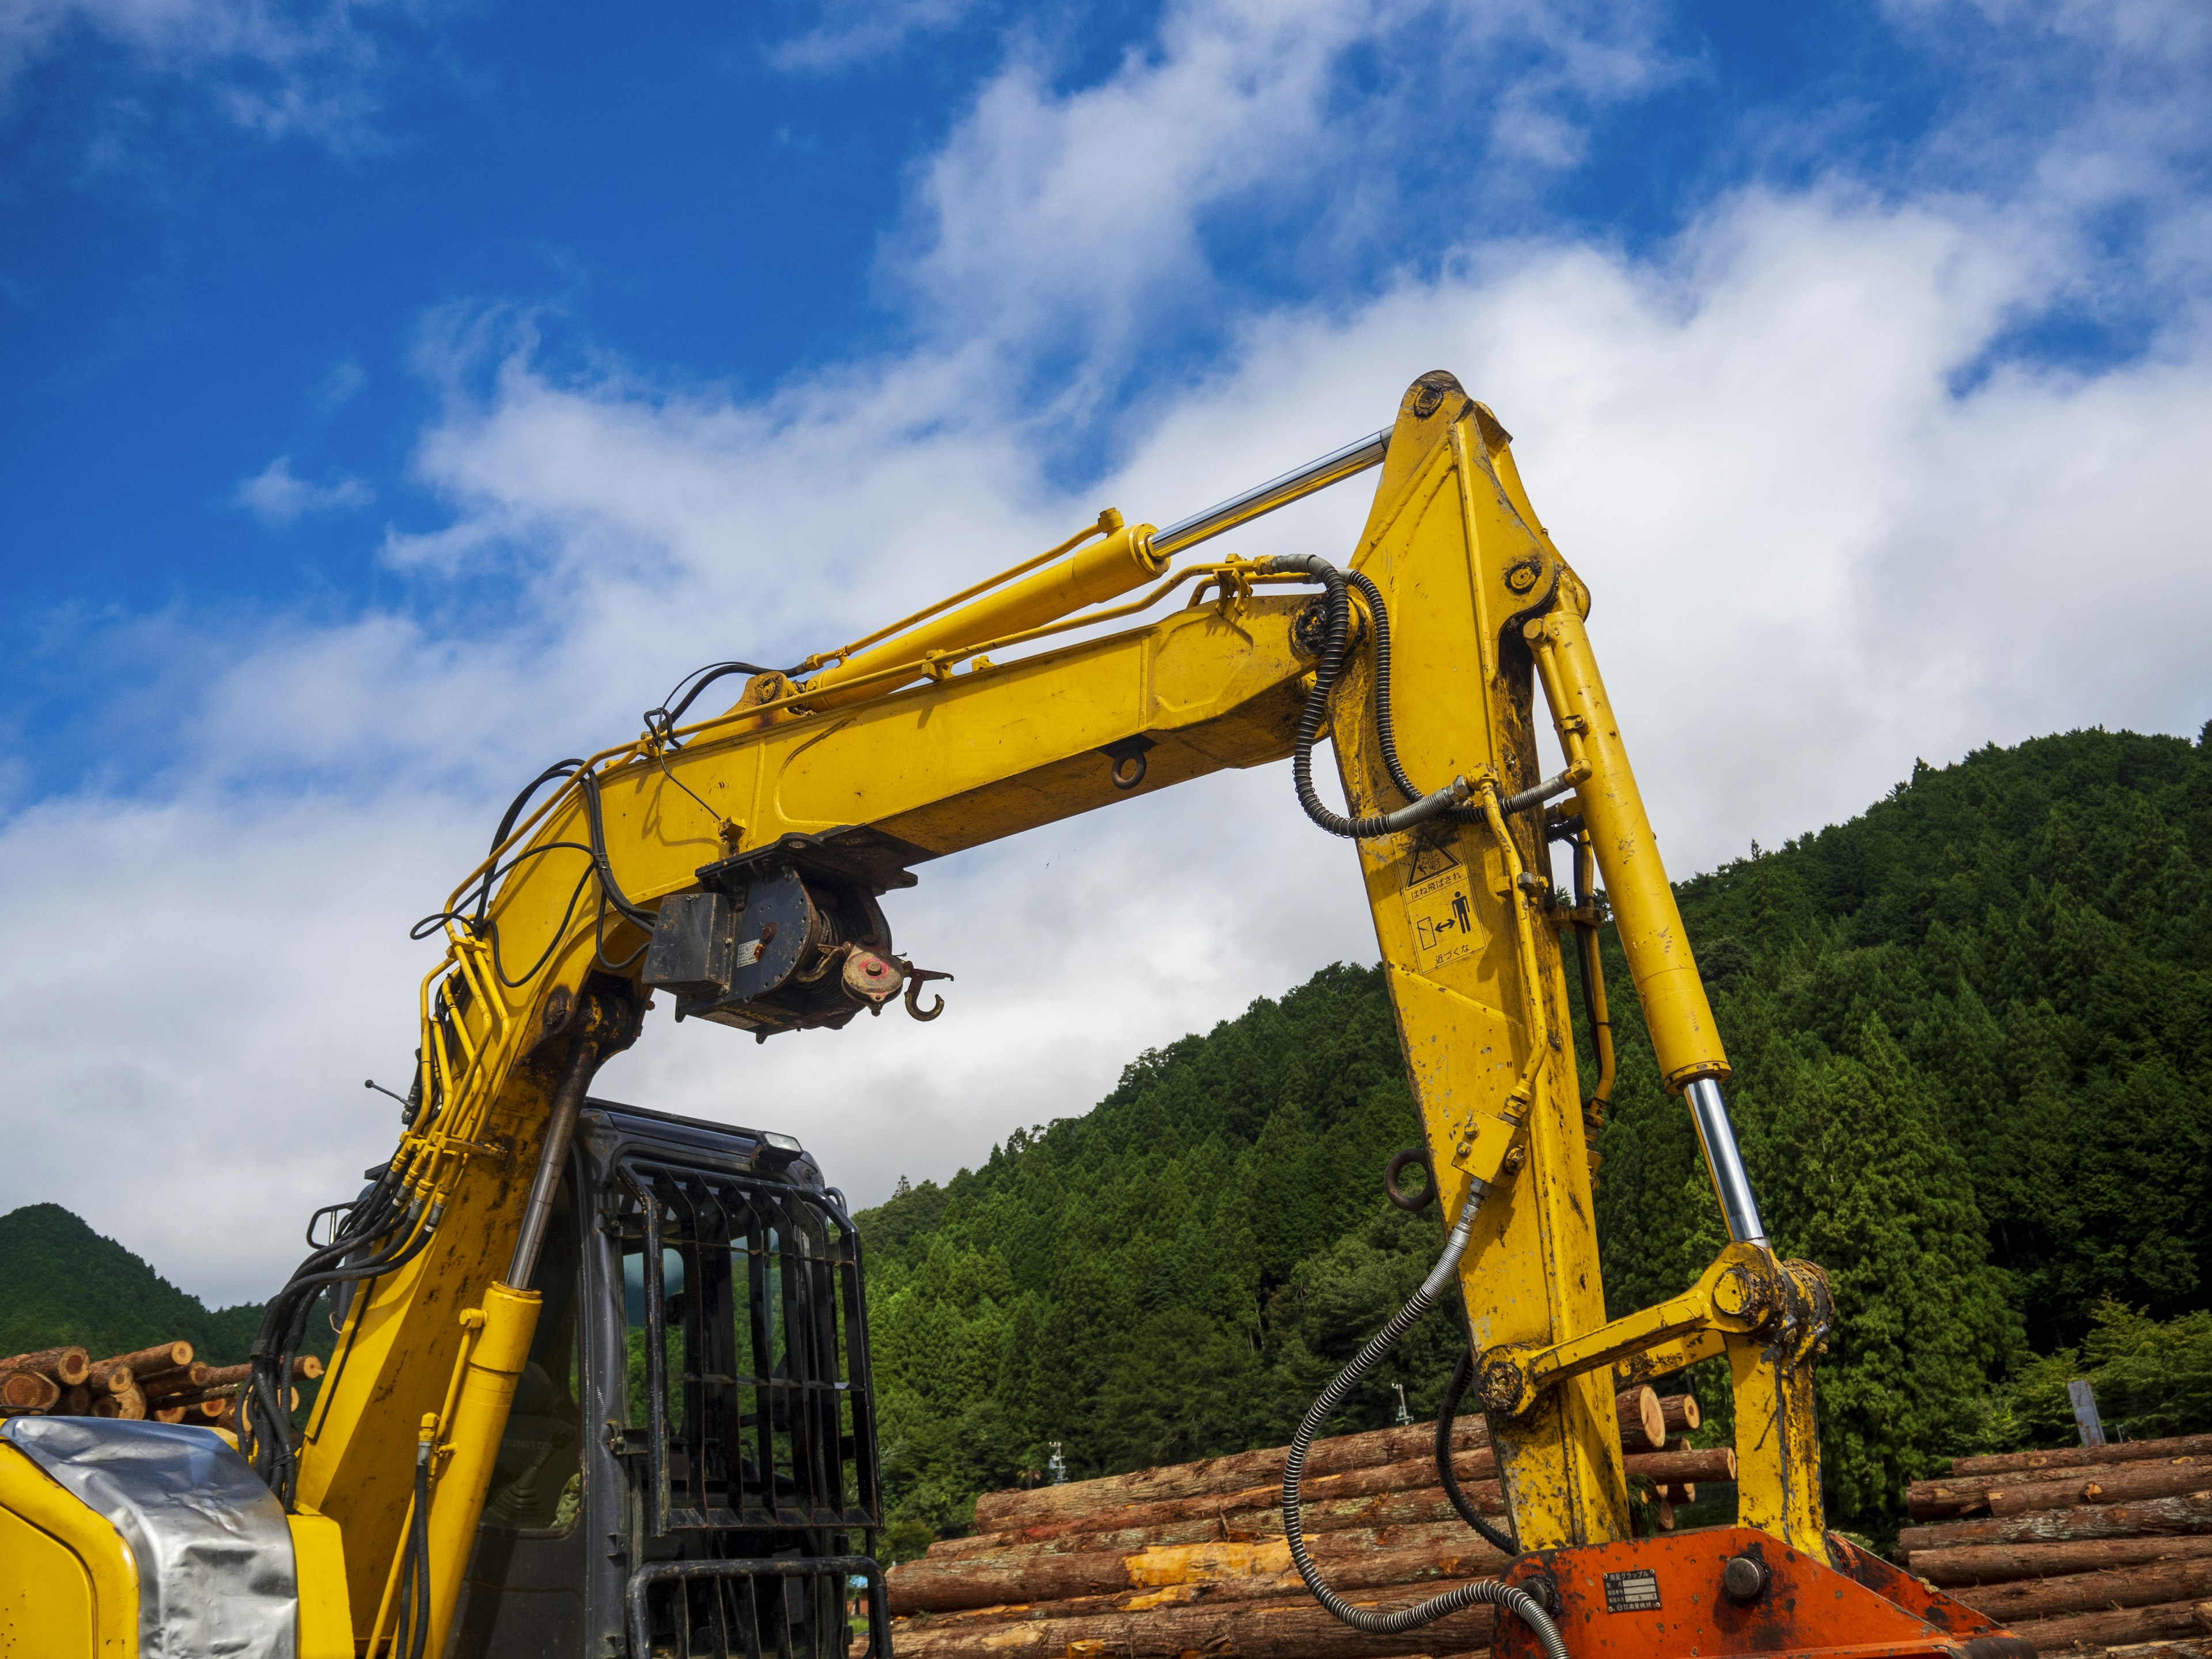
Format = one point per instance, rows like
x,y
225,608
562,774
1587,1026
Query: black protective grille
x,y
781,1608
755,1359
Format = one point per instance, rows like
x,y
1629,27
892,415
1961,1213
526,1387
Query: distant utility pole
x,y
2085,1411
1405,1417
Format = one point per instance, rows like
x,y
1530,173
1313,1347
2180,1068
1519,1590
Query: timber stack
x,y
2091,1546
1192,1558
163,1383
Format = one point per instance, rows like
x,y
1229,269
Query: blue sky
x,y
401,394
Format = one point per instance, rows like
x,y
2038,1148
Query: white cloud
x,y
1052,212
277,496
1814,556
852,32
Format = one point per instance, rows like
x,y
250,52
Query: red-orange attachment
x,y
1670,1598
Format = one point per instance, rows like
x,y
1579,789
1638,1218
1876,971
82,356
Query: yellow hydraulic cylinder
x,y
1676,1010
1104,570
491,1374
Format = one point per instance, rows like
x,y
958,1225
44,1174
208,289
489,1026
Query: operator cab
x,y
689,1469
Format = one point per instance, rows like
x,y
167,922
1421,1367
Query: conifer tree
x,y
1873,1192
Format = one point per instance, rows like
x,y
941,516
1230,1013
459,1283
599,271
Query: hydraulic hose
x,y
1448,1477
1448,801
1519,1603
1423,807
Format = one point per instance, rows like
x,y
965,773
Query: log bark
x,y
1643,1420
67,1366
1440,1536
28,1391
161,1357
1234,1526
1239,1515
1472,1466
180,1379
2157,1624
2144,1586
1009,1511
2186,1512
2115,1483
1245,1570
1706,1463
108,1377
2004,1564
2066,1457
1948,1497
1284,1627
1680,1414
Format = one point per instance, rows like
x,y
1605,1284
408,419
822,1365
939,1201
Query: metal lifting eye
x,y
1125,761
1403,1200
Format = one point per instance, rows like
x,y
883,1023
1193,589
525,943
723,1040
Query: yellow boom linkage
x,y
978,719
915,739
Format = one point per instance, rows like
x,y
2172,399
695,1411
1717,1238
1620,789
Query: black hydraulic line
x,y
1316,709
663,721
1518,1602
588,785
1447,1413
419,1640
558,769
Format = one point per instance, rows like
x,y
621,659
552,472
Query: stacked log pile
x,y
1167,1561
162,1382
2091,1546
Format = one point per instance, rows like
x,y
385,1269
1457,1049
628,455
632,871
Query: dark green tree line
x,y
1972,1040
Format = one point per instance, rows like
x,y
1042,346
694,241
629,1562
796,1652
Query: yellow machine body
x,y
916,737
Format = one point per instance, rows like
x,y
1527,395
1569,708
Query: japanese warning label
x,y
1440,906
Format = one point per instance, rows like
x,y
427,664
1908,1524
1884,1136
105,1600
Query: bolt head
x,y
1732,1295
1743,1578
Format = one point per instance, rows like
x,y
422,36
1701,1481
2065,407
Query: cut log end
x,y
1642,1419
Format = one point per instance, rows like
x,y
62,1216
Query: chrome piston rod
x,y
1731,1185
1332,468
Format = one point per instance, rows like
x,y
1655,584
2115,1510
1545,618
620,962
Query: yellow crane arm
x,y
914,743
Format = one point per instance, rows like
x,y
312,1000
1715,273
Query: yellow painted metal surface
x,y
1104,571
909,734
1480,1002
472,1431
1676,1010
69,1588
45,1596
326,1629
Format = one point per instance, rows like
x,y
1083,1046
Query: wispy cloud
x,y
314,67
1818,549
853,31
278,498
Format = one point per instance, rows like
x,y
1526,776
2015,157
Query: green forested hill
x,y
1973,1040
65,1283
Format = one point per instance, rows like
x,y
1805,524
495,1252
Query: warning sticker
x,y
1440,906
1634,1591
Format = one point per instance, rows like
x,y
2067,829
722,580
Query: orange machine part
x,y
1663,1598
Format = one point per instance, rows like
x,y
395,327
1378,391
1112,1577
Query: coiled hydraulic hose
x,y
1448,801
1423,807
1519,1603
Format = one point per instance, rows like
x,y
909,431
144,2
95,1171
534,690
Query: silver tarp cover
x,y
213,1550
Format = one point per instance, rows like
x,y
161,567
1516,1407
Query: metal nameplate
x,y
1634,1591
